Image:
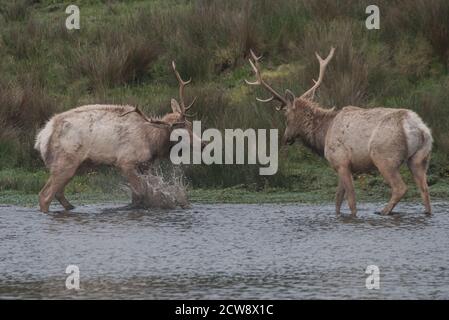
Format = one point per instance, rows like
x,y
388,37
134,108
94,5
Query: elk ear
x,y
175,106
290,97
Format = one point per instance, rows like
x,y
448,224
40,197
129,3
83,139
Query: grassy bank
x,y
21,188
122,55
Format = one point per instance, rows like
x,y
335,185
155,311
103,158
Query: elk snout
x,y
287,140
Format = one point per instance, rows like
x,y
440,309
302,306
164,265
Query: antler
x,y
323,65
137,110
260,82
182,84
150,120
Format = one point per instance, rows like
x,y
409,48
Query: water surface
x,y
225,251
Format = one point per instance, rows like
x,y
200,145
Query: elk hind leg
x,y
55,187
339,196
63,200
393,177
44,204
418,166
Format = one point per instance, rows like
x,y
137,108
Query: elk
x,y
356,140
118,135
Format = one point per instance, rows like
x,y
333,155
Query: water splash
x,y
165,191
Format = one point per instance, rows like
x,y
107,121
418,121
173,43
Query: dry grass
x,y
421,17
24,107
123,63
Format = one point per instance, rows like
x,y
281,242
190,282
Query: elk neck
x,y
314,121
159,139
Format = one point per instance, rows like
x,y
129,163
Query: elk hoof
x,y
382,213
69,207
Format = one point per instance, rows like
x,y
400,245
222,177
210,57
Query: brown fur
x,y
99,134
358,140
355,139
310,122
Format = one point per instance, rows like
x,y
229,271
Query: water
x,y
225,251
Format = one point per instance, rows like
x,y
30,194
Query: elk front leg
x,y
339,196
345,177
137,187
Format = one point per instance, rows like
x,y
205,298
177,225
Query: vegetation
x,y
122,55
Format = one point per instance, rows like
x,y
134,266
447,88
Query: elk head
x,y
177,119
297,114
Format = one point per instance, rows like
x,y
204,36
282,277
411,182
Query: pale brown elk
x,y
356,140
118,135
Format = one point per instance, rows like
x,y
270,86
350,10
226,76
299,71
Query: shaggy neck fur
x,y
313,122
160,138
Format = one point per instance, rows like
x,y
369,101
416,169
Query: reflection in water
x,y
224,251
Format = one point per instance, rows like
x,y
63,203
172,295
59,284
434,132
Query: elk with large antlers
x,y
355,139
122,136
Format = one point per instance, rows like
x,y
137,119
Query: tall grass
x,y
123,50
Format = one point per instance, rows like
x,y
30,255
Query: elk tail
x,y
418,135
43,139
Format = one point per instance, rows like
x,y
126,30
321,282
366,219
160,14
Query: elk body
x,y
121,136
357,140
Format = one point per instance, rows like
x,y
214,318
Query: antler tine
x,y
191,104
138,111
178,76
182,84
256,72
265,100
260,81
253,55
323,64
151,121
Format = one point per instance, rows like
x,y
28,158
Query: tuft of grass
x,y
24,107
124,63
16,10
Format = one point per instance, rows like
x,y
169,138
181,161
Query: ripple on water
x,y
225,251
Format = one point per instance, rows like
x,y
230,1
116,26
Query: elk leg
x,y
345,177
55,184
339,196
418,166
63,200
43,204
136,185
398,187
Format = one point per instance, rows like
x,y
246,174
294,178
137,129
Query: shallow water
x,y
225,251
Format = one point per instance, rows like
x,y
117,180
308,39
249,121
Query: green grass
x,y
21,188
122,55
